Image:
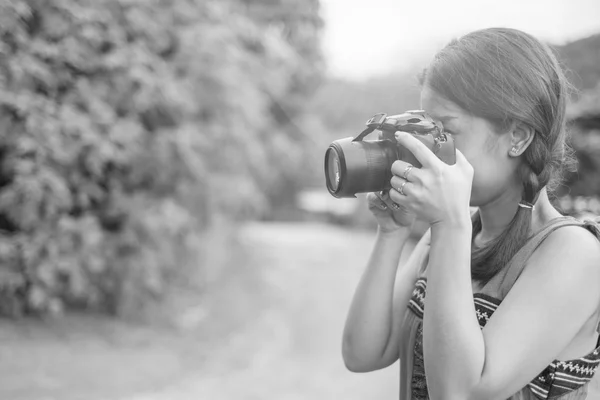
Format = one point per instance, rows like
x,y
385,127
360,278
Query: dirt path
x,y
278,335
292,351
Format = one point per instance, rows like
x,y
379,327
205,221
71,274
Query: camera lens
x,y
333,169
358,167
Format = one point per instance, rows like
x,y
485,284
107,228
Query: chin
x,y
475,201
482,196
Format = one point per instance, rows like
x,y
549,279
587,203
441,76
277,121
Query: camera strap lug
x,y
373,123
362,135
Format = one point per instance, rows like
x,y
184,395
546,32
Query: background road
x,y
274,333
292,351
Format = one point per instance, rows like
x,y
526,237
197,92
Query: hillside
x,y
582,61
343,106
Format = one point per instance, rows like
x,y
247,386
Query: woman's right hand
x,y
389,215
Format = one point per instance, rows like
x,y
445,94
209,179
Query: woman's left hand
x,y
437,193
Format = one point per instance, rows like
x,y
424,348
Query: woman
x,y
473,313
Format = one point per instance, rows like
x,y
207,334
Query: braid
x,y
537,169
535,172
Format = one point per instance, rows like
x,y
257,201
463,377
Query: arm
x,y
370,340
536,321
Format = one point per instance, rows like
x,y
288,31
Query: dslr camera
x,y
354,165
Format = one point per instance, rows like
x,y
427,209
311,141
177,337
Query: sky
x,y
365,38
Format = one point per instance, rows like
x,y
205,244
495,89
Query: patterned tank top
x,y
564,380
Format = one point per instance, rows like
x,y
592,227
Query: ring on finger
x,y
407,171
401,188
395,206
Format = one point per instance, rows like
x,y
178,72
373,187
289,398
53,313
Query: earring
x,y
514,151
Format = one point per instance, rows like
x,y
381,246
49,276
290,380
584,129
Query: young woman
x,y
501,304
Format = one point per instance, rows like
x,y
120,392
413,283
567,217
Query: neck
x,y
496,216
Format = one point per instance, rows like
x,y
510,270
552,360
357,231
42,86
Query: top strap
x,y
517,263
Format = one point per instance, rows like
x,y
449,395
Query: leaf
x,y
37,298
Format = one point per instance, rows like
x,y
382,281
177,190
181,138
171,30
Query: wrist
x,y
456,226
398,233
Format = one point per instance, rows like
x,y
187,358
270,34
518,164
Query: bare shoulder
x,y
574,243
569,258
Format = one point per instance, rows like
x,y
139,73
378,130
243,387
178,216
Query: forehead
x,y
438,107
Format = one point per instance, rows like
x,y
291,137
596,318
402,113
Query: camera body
x,y
354,165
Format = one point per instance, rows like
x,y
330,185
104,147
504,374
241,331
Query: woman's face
x,y
487,151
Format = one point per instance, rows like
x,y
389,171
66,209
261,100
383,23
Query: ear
x,y
521,136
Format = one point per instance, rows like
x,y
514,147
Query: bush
x,y
128,127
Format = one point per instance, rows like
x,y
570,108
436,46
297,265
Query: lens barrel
x,y
359,166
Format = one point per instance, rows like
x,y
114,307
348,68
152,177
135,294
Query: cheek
x,y
490,172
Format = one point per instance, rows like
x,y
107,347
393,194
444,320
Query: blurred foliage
x,y
581,61
130,128
580,58
345,106
585,131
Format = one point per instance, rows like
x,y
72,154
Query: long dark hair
x,y
507,76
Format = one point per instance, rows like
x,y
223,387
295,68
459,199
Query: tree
x,y
126,128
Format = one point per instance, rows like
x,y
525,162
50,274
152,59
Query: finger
x,y
396,182
377,201
399,169
401,200
385,196
399,193
461,160
419,150
398,208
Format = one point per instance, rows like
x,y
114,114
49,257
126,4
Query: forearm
x,y
370,320
454,349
